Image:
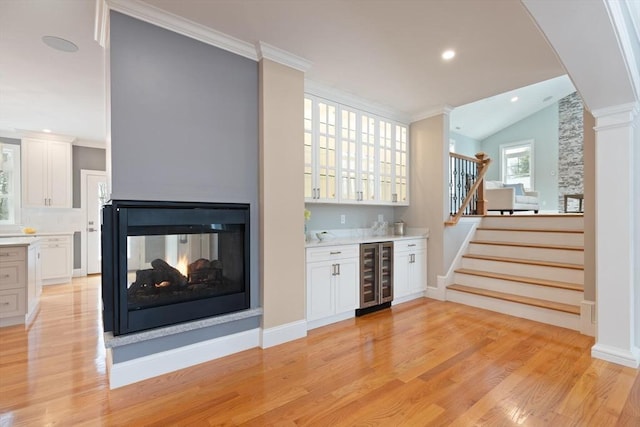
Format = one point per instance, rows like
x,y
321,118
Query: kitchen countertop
x,y
18,241
37,234
357,238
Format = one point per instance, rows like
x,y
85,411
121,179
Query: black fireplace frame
x,y
121,216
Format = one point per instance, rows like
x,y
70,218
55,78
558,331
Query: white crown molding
x,y
272,53
443,109
101,26
623,32
330,93
22,133
153,15
90,144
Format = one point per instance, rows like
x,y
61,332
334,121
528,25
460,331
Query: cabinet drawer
x,y
12,303
327,253
56,241
12,275
409,245
13,254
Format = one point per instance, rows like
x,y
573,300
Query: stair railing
x,y
466,185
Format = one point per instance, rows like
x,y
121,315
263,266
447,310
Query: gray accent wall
x,y
542,127
184,124
571,150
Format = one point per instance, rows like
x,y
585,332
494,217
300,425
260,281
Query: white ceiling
x,y
385,52
483,118
42,88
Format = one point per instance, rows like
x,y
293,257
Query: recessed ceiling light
x,y
514,99
46,130
58,43
448,54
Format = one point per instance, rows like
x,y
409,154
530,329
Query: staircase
x,y
525,266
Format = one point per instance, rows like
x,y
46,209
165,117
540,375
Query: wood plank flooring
x,y
422,363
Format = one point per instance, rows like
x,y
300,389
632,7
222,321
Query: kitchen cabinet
x,y
353,157
376,274
46,174
320,151
57,264
20,284
332,284
410,268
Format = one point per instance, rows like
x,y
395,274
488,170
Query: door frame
x,y
83,207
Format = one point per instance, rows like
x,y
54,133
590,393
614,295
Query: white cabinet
x,y
19,283
46,173
34,276
332,284
57,265
320,151
353,157
410,268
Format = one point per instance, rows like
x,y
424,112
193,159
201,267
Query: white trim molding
x,y
283,333
629,358
616,116
153,365
588,318
443,109
275,54
169,21
341,97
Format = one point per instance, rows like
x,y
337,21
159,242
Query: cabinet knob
x,y
6,303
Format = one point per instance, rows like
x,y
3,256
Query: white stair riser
x,y
542,237
565,296
537,254
551,317
526,270
568,222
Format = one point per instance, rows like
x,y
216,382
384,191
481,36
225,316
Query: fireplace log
x,y
173,275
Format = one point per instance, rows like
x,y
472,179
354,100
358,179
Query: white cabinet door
x,y
34,173
346,285
46,173
321,151
319,290
59,163
418,277
401,263
56,260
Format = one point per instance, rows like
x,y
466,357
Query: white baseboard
x,y
438,293
408,298
624,357
588,318
329,320
142,368
283,333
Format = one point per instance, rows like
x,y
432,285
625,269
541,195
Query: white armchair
x,y
510,197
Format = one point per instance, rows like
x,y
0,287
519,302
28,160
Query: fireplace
x,y
165,263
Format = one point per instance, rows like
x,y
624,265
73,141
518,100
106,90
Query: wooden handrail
x,y
483,165
463,157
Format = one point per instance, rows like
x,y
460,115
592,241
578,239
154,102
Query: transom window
x,y
517,163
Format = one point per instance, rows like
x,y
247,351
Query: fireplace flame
x,y
182,265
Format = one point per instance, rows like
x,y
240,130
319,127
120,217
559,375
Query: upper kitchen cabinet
x,y
46,174
320,151
353,157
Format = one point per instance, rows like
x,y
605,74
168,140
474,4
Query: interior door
x,y
96,193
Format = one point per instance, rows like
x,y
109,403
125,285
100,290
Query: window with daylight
x,y
517,163
9,184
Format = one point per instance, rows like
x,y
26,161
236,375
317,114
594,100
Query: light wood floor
x,y
421,363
